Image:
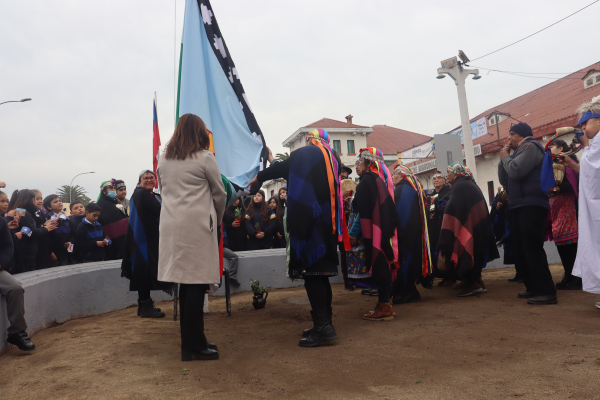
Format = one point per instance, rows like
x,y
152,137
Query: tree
x,y
76,193
281,157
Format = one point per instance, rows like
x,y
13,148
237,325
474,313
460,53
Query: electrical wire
x,y
526,37
528,74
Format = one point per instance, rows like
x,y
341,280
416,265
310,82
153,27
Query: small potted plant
x,y
257,300
257,228
238,215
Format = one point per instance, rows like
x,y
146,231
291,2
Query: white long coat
x,y
588,246
193,202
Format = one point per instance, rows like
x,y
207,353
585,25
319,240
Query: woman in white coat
x,y
193,202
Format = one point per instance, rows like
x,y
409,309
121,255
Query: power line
x,y
528,74
526,37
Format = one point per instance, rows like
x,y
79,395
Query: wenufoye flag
x,y
210,87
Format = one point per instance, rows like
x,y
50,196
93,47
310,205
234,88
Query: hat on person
x,y
347,169
522,129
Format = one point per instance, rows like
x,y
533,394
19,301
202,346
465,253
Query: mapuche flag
x,y
210,87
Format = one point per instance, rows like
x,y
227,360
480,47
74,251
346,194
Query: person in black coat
x,y
278,233
64,235
44,258
114,220
260,223
28,232
235,227
140,255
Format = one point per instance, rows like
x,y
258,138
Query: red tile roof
x,y
544,109
332,123
392,140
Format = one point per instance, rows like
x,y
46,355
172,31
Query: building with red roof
x,y
545,109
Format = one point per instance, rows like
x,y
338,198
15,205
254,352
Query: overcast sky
x,y
92,67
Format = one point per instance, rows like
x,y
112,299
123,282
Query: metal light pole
x,y
455,70
71,185
16,101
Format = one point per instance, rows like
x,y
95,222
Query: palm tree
x,y
281,157
70,193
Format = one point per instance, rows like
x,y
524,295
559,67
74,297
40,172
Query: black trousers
x,y
568,253
191,303
318,290
528,226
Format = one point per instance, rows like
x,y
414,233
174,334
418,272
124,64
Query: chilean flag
x,y
155,140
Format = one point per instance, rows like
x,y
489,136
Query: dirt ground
x,y
493,346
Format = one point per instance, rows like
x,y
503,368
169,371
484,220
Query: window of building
x,y
592,80
589,82
351,147
597,78
337,146
496,119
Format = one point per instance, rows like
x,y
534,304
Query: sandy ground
x,y
493,346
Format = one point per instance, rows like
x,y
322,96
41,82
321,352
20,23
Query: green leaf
x,y
185,370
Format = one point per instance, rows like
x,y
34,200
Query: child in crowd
x,y
77,215
90,235
64,235
45,258
260,223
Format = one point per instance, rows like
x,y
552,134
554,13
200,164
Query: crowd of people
x,y
392,234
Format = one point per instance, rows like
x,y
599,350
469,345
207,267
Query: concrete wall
x,y
56,295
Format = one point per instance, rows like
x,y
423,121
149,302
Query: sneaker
x,y
235,282
349,287
22,341
373,292
471,290
598,304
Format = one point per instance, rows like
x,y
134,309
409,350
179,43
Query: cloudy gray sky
x,y
92,68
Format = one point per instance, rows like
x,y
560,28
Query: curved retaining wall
x,y
56,295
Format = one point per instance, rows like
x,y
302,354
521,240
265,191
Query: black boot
x,y
156,308
410,295
516,278
306,332
146,309
574,284
21,340
323,330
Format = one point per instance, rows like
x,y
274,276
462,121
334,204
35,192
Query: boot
x,y
411,294
383,312
306,332
575,284
146,309
516,278
156,308
323,330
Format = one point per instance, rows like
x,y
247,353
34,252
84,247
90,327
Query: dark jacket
x,y
87,236
76,255
6,246
267,227
64,233
27,247
43,259
114,220
237,238
140,255
520,174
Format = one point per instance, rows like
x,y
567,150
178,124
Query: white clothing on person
x,y
587,263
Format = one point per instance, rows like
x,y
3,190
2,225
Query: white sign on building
x,y
478,129
429,165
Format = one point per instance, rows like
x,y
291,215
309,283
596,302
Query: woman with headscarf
x,y
113,218
194,200
376,222
414,252
313,225
140,255
466,239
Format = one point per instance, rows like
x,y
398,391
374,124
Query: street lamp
x,y
454,68
16,101
71,185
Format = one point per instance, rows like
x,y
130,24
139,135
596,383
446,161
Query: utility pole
x,y
455,70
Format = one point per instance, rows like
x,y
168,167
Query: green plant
x,y
255,285
282,156
238,213
76,193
